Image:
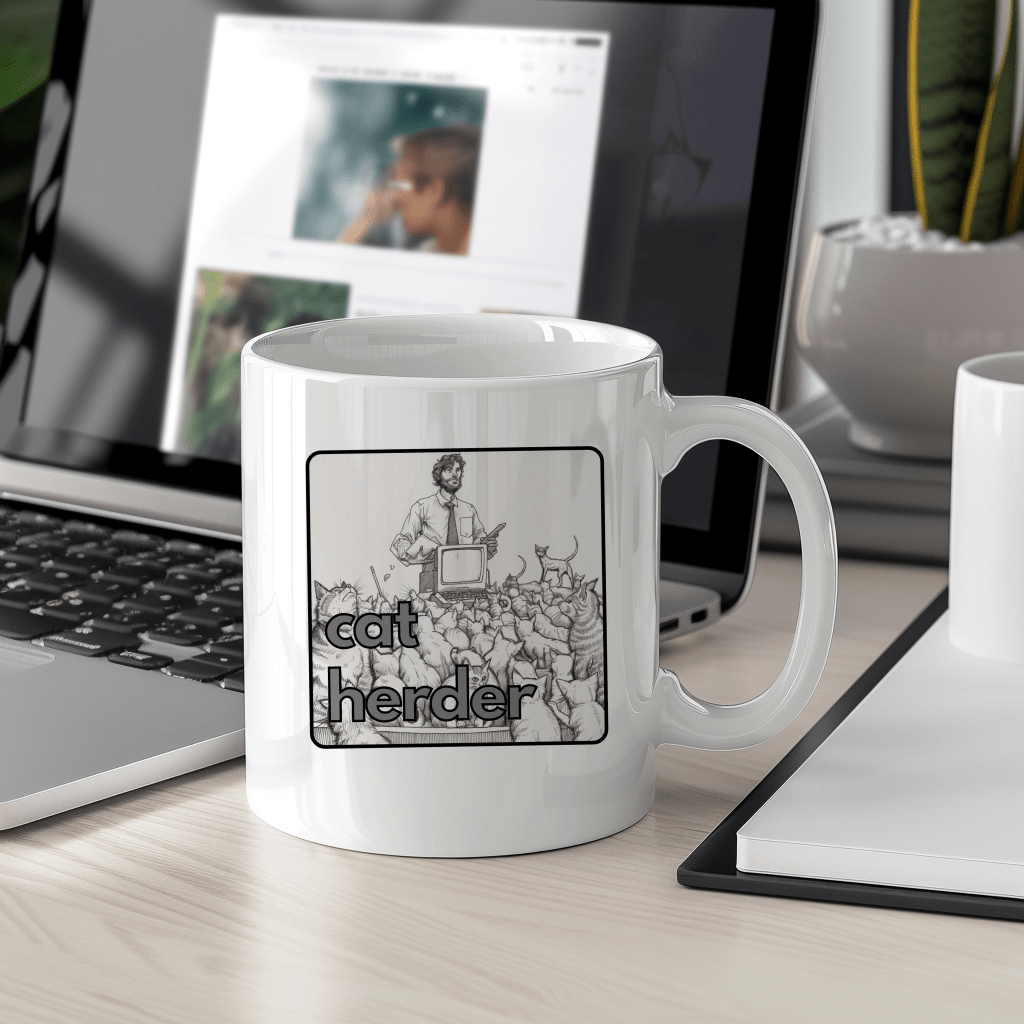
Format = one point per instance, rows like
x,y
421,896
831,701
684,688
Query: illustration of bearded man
x,y
441,518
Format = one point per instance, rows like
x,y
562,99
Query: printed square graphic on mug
x,y
456,597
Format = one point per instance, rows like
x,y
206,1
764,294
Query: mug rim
x,y
648,351
978,366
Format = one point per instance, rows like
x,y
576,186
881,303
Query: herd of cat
x,y
538,633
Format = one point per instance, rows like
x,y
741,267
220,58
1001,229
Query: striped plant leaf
x,y
984,212
1016,194
949,70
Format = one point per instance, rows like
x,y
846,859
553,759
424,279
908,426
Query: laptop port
x,y
667,627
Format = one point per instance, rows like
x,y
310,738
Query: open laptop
x,y
207,171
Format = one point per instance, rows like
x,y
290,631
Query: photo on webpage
x,y
362,156
229,309
391,165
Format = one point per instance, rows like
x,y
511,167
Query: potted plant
x,y
890,306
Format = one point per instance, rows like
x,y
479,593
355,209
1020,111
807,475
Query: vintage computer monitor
x,y
459,568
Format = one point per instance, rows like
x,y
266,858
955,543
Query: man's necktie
x,y
453,533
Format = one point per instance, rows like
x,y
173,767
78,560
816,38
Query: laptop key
x,y
37,520
55,538
198,669
235,681
189,547
153,604
167,560
44,546
13,559
12,532
140,659
229,556
16,624
70,611
83,531
225,599
96,548
54,581
210,615
22,598
133,540
131,574
100,594
232,659
202,572
179,585
88,641
182,634
127,620
85,562
231,643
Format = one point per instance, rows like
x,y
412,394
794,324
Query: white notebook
x,y
922,785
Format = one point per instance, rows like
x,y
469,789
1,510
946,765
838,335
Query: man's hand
x,y
378,208
491,540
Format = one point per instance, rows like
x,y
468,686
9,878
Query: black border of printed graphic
x,y
310,615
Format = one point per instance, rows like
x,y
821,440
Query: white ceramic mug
x,y
451,575
986,525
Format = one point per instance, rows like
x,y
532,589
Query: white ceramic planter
x,y
887,329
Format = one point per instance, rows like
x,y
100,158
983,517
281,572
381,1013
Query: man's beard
x,y
451,488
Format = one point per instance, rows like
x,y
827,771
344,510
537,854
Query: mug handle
x,y
676,716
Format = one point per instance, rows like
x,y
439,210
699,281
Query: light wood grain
x,y
175,903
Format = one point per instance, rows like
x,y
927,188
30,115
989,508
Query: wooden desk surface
x,y
176,903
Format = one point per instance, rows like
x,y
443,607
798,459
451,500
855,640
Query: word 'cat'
x,y
385,624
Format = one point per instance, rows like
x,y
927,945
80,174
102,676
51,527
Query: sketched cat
x,y
480,674
557,567
585,716
513,581
501,656
537,722
586,634
354,663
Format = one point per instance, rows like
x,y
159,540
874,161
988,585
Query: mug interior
x,y
1003,367
472,345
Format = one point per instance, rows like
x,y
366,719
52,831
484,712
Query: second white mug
x,y
986,537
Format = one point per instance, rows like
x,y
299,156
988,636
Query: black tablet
x,y
712,865
210,170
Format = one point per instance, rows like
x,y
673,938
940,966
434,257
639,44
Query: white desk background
x,y
176,904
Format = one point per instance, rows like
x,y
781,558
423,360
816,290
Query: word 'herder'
x,y
385,703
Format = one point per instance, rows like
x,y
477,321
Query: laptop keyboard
x,y
101,589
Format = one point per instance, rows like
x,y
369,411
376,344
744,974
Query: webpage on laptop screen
x,y
351,168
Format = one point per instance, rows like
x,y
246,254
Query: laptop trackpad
x,y
18,657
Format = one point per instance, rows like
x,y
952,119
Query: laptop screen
x,y
234,167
